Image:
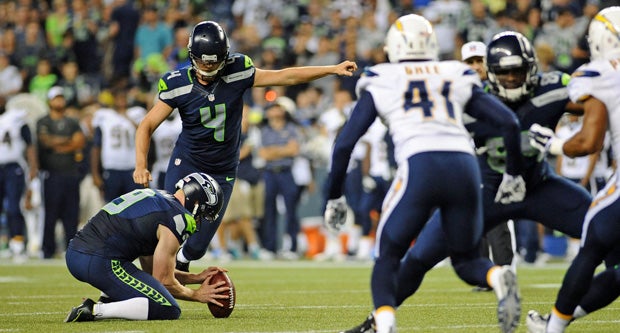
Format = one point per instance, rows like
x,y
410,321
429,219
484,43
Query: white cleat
x,y
509,300
535,322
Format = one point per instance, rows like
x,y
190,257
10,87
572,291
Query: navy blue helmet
x,y
203,195
511,65
208,45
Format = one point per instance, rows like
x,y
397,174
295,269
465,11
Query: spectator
x,y
479,26
43,79
9,76
84,28
60,143
78,90
57,22
153,35
179,56
444,15
125,20
279,146
29,50
563,34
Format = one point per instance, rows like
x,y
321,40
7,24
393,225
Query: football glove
x,y
512,189
544,139
335,214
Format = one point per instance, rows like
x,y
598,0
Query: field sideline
x,y
279,296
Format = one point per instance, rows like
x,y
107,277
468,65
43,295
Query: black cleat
x,y
104,299
83,312
368,326
182,266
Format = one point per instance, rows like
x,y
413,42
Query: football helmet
x,y
208,46
203,195
511,53
604,34
411,37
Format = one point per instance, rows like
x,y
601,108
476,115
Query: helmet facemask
x,y
208,48
511,66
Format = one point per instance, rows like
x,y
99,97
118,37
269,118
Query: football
x,y
229,302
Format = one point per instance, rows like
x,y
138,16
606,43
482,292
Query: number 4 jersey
x,y
422,103
211,114
126,227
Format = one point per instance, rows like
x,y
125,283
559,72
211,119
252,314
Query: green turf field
x,y
283,296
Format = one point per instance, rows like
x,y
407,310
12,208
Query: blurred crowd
x,y
93,50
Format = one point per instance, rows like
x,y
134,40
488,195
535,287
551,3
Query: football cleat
x,y
182,266
83,312
368,326
535,322
509,300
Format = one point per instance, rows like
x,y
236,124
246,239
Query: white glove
x,y
369,184
335,214
544,139
512,189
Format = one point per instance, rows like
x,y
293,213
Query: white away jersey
x,y
600,79
164,139
422,103
118,134
12,145
375,137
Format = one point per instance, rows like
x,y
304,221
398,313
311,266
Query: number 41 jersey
x,y
422,103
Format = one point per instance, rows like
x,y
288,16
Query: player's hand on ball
x,y
212,292
209,272
224,294
335,214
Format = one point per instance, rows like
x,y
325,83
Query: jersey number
x,y
121,203
215,119
417,96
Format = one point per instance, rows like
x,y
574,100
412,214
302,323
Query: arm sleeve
x,y
26,134
488,108
97,137
361,118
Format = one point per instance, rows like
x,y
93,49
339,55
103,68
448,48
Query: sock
x,y
557,322
385,319
181,257
579,312
493,276
133,309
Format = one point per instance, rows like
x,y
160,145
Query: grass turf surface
x,y
278,296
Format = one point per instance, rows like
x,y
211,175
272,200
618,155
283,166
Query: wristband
x,y
556,146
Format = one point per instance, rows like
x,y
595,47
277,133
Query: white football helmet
x,y
411,37
604,34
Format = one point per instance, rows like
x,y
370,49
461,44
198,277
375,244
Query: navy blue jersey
x,y
211,114
545,107
126,227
